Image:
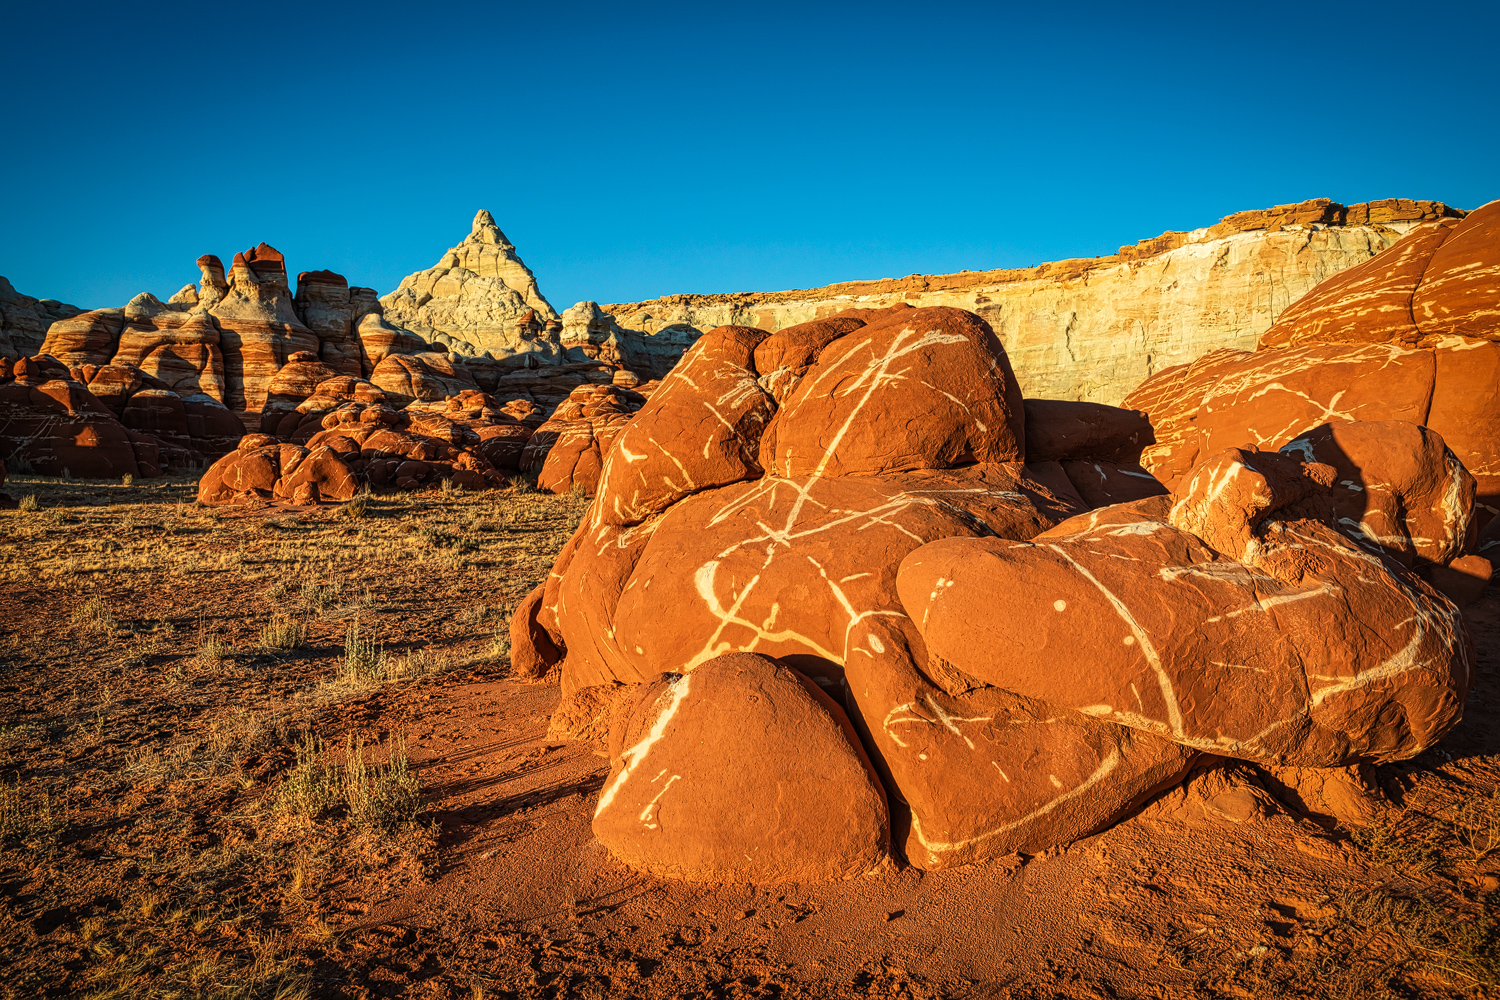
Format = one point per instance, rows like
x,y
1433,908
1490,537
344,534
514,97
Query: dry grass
x,y
163,659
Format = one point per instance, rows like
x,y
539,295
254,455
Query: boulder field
x,y
1001,621
106,421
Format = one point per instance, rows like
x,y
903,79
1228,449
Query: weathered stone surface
x,y
533,653
360,441
1094,329
427,376
1440,280
1266,398
477,299
329,308
568,450
54,424
740,771
1238,621
1058,429
24,321
591,333
104,421
983,772
964,408
260,328
1221,623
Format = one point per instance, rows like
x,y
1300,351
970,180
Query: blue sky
x,y
631,152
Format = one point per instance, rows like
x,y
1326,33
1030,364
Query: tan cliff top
x,y
1316,212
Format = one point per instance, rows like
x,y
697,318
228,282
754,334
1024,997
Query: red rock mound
x,y
763,499
1413,335
568,450
741,771
1441,280
106,422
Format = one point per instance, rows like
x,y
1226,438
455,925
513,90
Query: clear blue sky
x,y
631,152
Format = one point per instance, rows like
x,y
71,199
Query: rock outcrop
x,y
106,422
1089,329
24,321
346,435
1412,335
741,771
480,297
854,497
1442,280
567,451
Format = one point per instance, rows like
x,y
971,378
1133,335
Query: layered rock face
x,y
567,452
1081,329
228,337
106,421
1412,335
813,519
479,298
24,321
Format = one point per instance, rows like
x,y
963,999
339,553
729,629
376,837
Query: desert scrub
x,y
377,798
356,508
381,798
364,659
317,596
1476,825
93,615
313,785
28,814
29,504
1404,842
282,633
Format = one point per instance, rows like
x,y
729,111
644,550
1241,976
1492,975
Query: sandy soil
x,y
168,866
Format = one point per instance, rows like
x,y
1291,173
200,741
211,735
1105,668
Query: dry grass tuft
x,y
94,615
282,633
29,504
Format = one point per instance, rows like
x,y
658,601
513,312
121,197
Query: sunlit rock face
x,y
1093,329
479,298
857,498
1413,334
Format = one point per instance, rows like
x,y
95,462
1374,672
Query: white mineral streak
x,y
937,847
632,758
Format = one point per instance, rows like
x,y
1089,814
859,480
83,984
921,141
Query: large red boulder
x,y
1439,280
1243,616
568,450
741,771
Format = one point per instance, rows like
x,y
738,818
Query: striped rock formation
x,y
106,421
481,297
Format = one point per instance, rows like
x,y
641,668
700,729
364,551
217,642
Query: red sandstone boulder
x,y
766,500
1441,279
428,376
1267,398
568,450
1209,622
741,771
55,424
964,407
983,772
